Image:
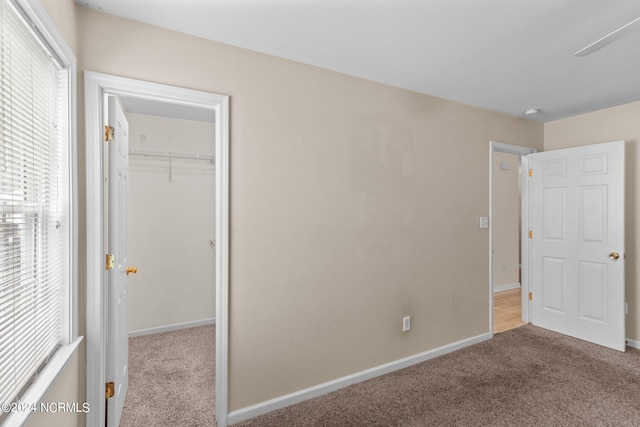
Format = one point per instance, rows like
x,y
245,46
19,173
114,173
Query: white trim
x,y
511,148
506,287
222,163
172,327
523,152
633,343
525,242
43,383
330,386
96,85
96,298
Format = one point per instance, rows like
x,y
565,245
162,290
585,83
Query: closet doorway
x,y
98,222
171,241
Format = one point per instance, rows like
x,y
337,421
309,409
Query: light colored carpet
x,y
523,377
171,379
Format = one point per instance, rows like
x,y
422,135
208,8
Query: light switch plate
x,y
484,222
406,323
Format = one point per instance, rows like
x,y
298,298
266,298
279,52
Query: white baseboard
x,y
506,287
633,343
330,386
174,327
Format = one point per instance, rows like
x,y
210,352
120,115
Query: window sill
x,y
41,385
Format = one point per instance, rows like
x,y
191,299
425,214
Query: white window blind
x,y
34,204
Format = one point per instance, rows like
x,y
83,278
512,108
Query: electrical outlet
x,y
406,323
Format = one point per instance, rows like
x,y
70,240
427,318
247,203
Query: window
x,y
35,201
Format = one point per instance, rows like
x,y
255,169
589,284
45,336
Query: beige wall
x,y
506,220
369,198
353,204
63,14
170,224
612,124
67,389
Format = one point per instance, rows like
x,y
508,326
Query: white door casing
x,y
96,85
577,226
118,208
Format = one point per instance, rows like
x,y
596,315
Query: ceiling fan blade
x,y
609,38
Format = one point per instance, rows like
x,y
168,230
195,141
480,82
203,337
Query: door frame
x,y
523,152
96,85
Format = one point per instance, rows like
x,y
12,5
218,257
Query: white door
x,y
577,242
117,334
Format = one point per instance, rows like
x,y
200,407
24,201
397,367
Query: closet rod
x,y
170,154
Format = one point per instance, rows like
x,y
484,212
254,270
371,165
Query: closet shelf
x,y
158,154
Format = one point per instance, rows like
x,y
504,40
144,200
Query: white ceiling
x,y
502,55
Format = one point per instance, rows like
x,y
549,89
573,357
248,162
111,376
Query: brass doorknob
x,y
614,256
133,270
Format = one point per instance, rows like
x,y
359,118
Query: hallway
x,y
506,310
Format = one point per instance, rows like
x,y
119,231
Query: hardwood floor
x,y
506,310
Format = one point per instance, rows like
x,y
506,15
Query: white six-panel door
x,y
117,324
577,242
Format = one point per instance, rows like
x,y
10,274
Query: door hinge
x,y
108,133
110,390
531,234
109,262
530,170
530,296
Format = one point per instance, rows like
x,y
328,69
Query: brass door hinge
x,y
108,133
530,170
530,296
110,390
109,262
531,234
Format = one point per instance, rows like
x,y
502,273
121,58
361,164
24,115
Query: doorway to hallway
x,y
506,310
